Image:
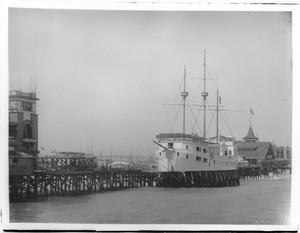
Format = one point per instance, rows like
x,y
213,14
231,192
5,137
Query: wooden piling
x,y
63,182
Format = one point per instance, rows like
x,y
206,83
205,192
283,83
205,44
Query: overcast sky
x,y
103,76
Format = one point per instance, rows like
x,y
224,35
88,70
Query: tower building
x,y
23,123
250,136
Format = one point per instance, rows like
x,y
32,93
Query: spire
x,y
250,136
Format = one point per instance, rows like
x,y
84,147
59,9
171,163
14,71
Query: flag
x,y
220,100
251,111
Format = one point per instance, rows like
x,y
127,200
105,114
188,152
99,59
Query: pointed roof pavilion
x,y
250,136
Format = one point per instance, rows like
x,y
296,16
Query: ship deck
x,y
180,137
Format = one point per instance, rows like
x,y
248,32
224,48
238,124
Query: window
x,y
215,162
229,152
15,160
177,153
198,148
27,131
12,130
204,150
204,160
159,153
170,145
187,156
26,106
226,152
200,159
13,105
187,147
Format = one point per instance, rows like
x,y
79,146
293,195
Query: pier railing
x,y
66,164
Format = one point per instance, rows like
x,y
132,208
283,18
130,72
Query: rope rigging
x,y
195,117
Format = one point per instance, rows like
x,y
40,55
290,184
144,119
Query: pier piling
x,y
60,177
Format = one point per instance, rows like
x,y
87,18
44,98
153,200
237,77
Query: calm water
x,y
254,202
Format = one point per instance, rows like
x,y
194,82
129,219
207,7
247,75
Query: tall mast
x,y
184,94
204,95
217,115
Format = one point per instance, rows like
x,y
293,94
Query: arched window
x,y
27,132
12,130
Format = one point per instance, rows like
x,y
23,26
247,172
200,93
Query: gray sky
x,y
103,76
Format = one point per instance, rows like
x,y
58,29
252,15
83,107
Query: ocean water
x,y
254,202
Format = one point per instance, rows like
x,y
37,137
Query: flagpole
x,y
250,116
251,113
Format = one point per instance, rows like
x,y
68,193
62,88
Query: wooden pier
x,y
62,183
260,172
74,176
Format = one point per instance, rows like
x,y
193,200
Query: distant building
x,y
283,152
120,164
280,152
253,151
23,122
288,152
23,132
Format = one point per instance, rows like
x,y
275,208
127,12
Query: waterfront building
x,y
283,152
23,132
253,151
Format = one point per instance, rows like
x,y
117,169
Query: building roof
x,y
120,163
250,135
15,94
20,154
255,150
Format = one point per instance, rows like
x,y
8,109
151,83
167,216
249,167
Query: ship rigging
x,y
179,151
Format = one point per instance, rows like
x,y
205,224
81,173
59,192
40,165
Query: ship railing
x,y
179,136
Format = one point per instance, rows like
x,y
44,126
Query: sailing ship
x,y
182,152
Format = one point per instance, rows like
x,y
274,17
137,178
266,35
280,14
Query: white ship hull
x,y
190,153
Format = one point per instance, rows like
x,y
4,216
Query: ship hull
x,y
199,179
182,152
182,162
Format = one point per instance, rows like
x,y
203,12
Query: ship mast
x,y
217,115
184,94
204,94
